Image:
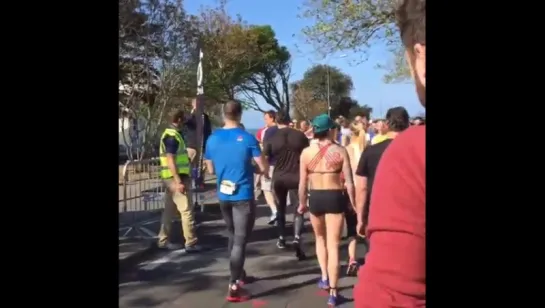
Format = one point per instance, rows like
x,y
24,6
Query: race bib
x,y
227,187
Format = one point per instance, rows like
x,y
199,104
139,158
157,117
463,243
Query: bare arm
x,y
349,180
303,180
209,167
171,163
345,140
262,164
361,195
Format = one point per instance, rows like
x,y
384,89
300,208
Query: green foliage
x,y
355,25
156,64
242,62
310,94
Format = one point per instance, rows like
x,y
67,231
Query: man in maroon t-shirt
x,y
394,274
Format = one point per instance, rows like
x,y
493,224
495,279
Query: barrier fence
x,y
141,197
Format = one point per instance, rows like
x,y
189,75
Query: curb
x,y
137,257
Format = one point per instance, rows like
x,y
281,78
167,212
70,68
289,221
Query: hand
x,y
266,175
302,208
360,228
178,187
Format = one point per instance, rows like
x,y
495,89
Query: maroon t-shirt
x,y
394,274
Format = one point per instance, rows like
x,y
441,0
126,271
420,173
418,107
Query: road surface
x,y
174,279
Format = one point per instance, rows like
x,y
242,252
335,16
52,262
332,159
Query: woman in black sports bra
x,y
322,164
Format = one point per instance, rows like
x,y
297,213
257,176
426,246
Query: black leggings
x,y
282,186
239,218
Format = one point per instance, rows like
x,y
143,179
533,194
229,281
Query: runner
x,y
307,129
286,146
345,131
354,149
235,188
394,274
266,187
381,130
321,166
397,120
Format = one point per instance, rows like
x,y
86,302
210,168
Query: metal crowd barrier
x,y
141,198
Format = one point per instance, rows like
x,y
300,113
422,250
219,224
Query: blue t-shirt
x,y
231,151
268,134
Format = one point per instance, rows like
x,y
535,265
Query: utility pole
x,y
328,85
328,96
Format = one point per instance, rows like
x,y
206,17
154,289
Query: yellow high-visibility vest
x,y
182,159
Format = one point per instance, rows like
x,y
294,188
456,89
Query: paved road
x,y
179,280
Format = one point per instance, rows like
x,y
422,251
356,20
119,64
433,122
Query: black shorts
x,y
322,202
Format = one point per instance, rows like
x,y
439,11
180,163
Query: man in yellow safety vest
x,y
175,172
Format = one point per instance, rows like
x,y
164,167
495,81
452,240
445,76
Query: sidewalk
x,y
178,280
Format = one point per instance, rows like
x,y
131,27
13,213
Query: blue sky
x,y
282,16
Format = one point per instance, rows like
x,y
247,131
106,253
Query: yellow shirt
x,y
378,139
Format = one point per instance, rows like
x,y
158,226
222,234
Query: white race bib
x,y
227,187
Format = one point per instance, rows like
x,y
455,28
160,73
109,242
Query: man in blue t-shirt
x,y
229,154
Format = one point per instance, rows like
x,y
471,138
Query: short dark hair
x,y
232,110
282,118
363,115
397,119
411,19
271,113
178,116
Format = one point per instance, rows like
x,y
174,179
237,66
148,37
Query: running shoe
x,y
236,294
352,269
281,243
273,219
332,300
245,279
298,251
170,246
193,248
323,284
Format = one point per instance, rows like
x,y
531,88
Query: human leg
x,y
187,217
298,224
318,225
351,223
298,220
317,208
334,225
166,219
280,193
266,187
243,220
226,209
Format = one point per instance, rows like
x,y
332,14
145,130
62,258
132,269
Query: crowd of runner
x,y
367,174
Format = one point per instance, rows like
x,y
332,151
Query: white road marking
x,y
164,259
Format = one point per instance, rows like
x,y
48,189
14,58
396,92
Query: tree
x,y
310,94
157,44
305,104
243,62
355,25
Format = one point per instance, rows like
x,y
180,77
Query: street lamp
x,y
328,83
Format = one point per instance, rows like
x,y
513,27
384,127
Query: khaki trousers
x,y
175,200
